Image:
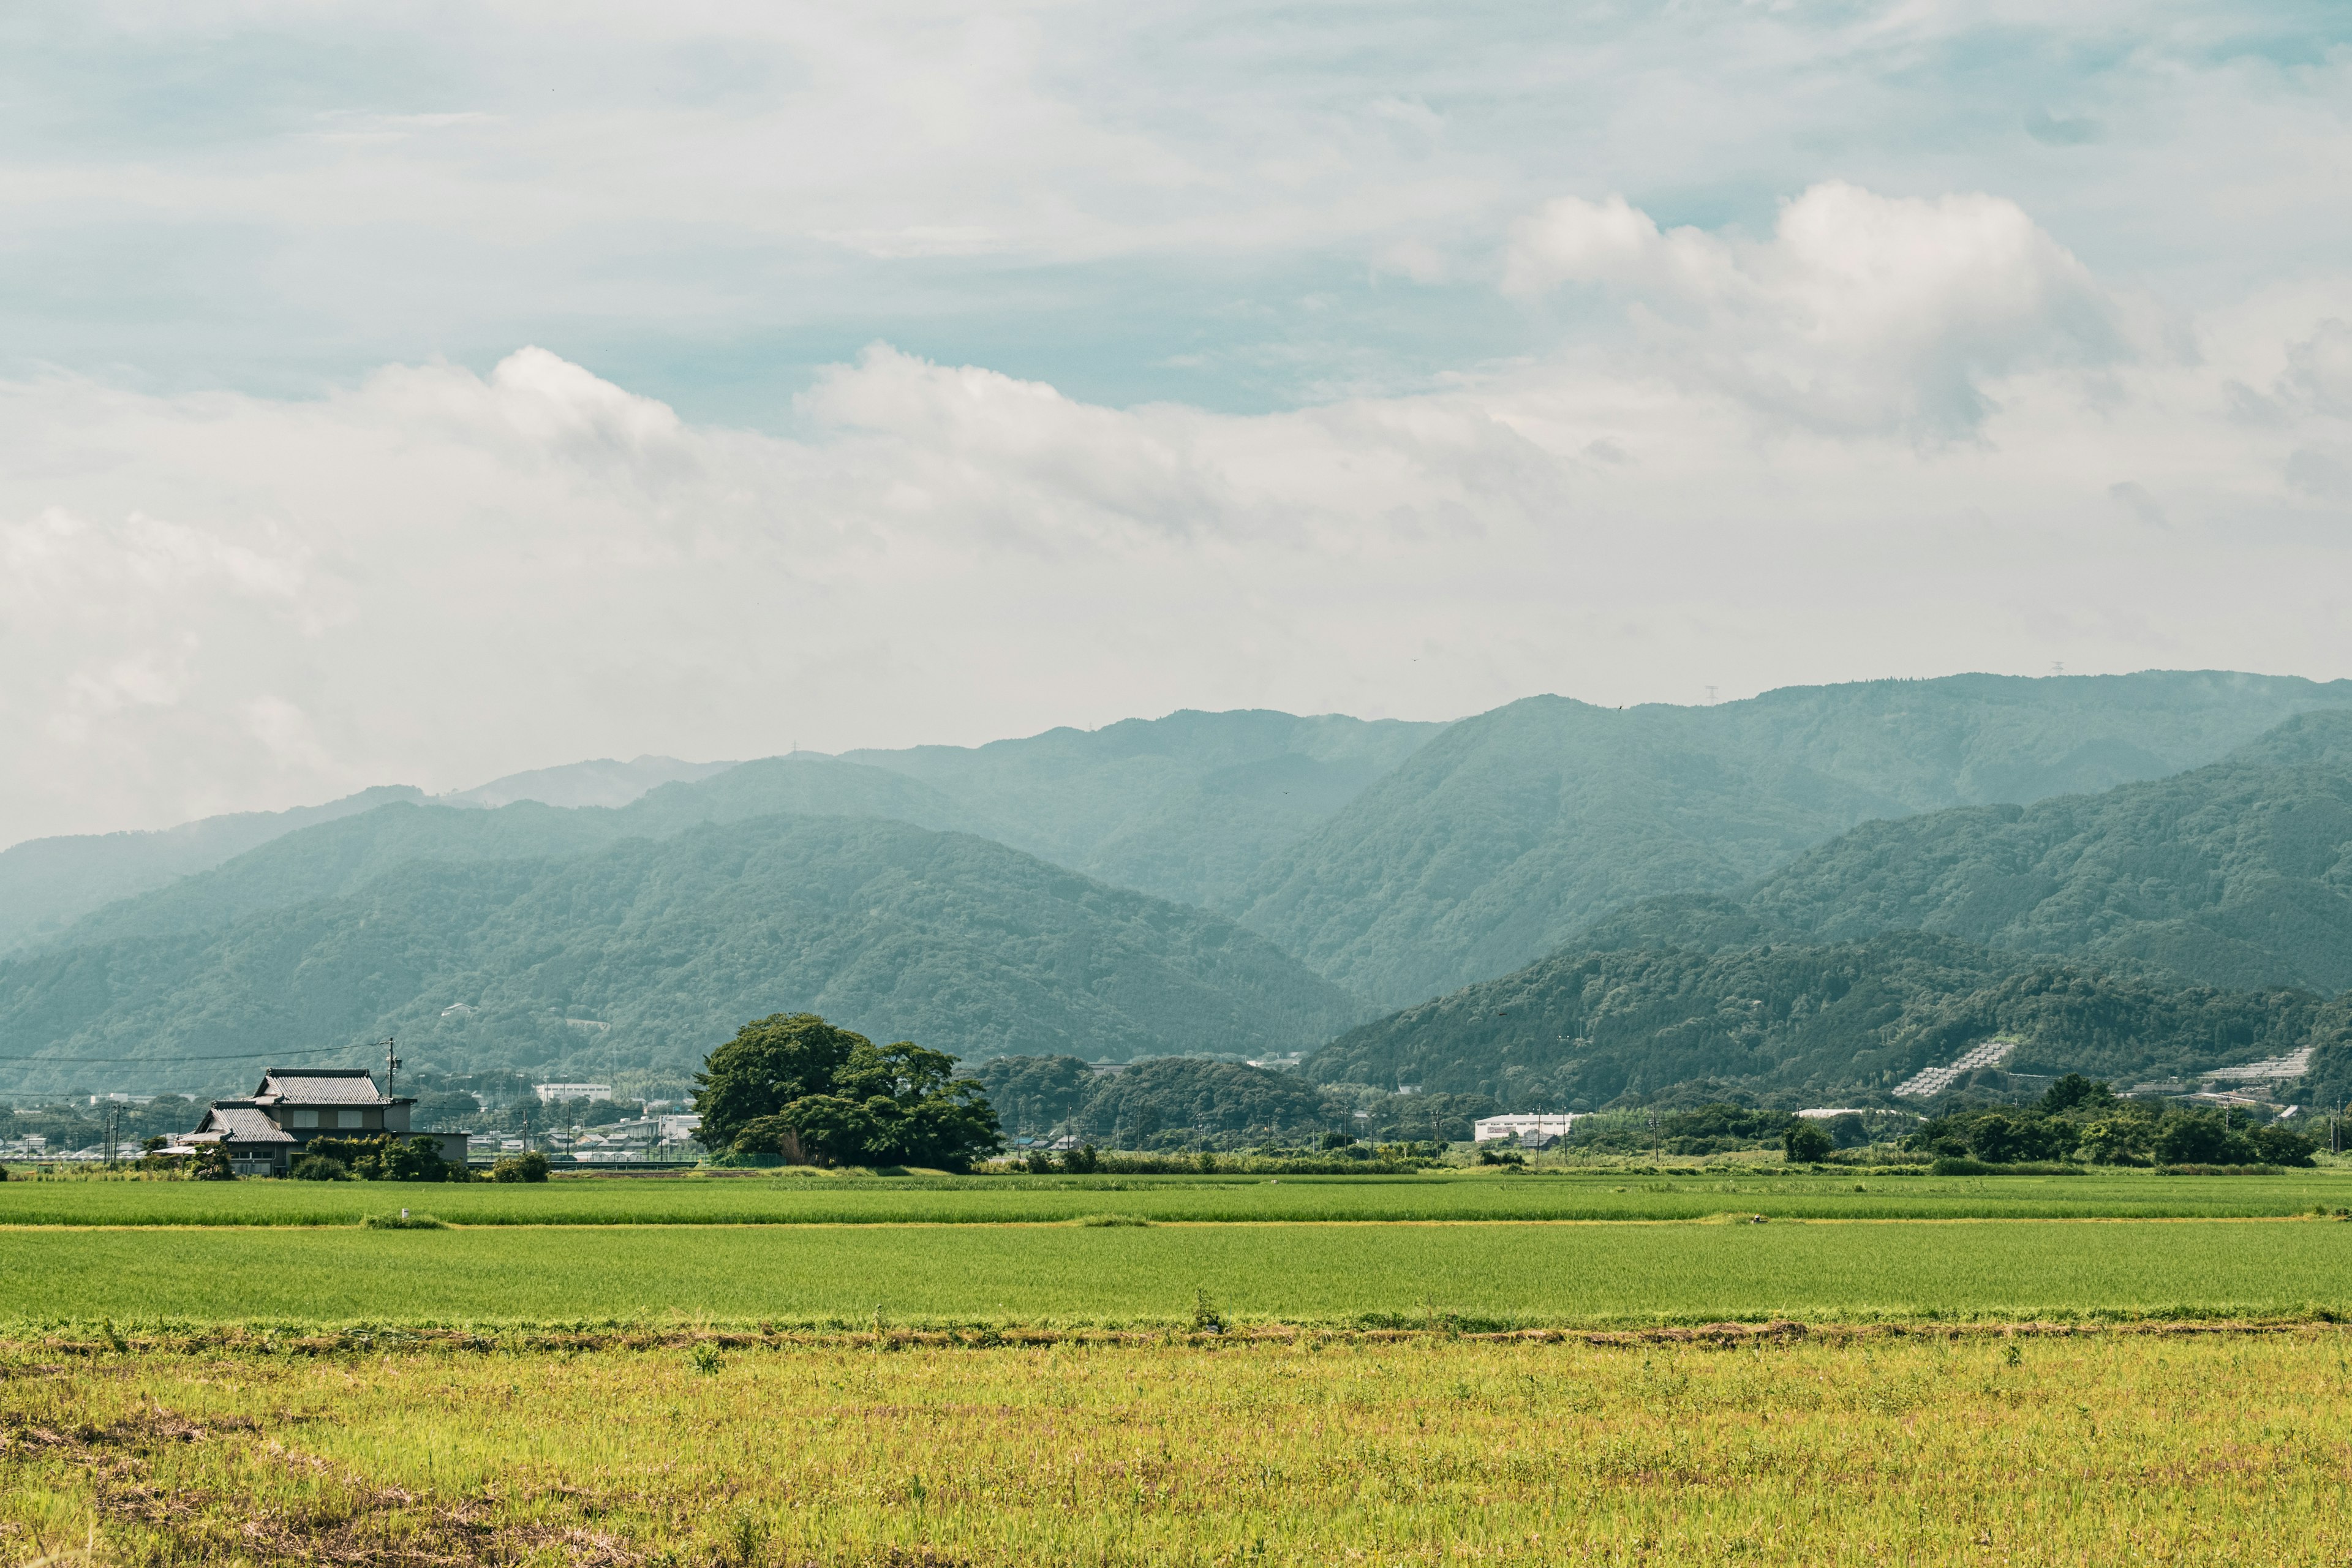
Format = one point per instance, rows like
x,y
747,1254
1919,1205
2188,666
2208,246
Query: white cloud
x,y
2319,369
436,576
1859,312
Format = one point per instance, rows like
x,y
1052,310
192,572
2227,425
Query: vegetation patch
x,y
1711,1443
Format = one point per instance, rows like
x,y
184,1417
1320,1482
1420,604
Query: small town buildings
x,y
266,1131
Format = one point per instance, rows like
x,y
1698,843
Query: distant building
x,y
1525,1129
556,1093
266,1131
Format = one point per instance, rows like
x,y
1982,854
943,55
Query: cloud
x,y
1862,312
2319,370
434,576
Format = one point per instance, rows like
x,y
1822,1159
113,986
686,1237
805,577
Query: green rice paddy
x,y
1512,1274
977,1200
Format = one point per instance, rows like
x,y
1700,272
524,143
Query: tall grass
x,y
1495,1274
2109,1449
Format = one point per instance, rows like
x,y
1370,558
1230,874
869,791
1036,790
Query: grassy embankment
x,y
1497,1274
786,1200
2104,1448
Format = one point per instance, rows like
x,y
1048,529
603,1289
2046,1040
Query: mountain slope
x,y
1182,806
1187,806
47,883
337,859
1499,839
1826,1023
2236,874
650,952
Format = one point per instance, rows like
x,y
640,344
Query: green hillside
x,y
1501,838
1830,1024
2239,874
1184,806
45,884
648,952
339,857
1187,806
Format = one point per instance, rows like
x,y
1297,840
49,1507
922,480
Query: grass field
x,y
1501,1274
2103,1449
767,1200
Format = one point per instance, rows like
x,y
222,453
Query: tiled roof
x,y
244,1124
306,1088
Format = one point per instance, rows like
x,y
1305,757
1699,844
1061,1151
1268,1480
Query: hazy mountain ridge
x,y
600,781
338,858
1183,806
1188,808
659,949
45,884
1501,839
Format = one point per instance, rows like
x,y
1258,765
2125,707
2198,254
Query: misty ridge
x,y
2166,849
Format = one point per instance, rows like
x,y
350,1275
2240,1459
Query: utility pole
x,y
391,1067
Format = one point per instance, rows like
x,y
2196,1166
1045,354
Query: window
x,y
306,1119
348,1119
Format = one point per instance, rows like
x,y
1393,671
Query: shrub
x,y
528,1166
1083,1160
390,1158
2278,1146
2201,1138
1805,1143
319,1168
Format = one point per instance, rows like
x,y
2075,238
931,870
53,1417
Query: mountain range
x,y
1252,883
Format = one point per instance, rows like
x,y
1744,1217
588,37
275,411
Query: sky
x,y
420,394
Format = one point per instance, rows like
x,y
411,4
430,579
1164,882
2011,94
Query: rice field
x,y
2112,1447
1494,1275
851,1200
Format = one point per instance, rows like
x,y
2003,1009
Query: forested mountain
x,y
1189,806
1184,806
649,952
2239,874
1830,1024
341,857
47,883
1501,838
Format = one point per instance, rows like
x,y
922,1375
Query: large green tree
x,y
795,1086
768,1064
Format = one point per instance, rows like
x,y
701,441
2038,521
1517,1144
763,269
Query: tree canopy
x,y
795,1086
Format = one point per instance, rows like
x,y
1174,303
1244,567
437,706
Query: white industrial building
x,y
556,1093
1527,1129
